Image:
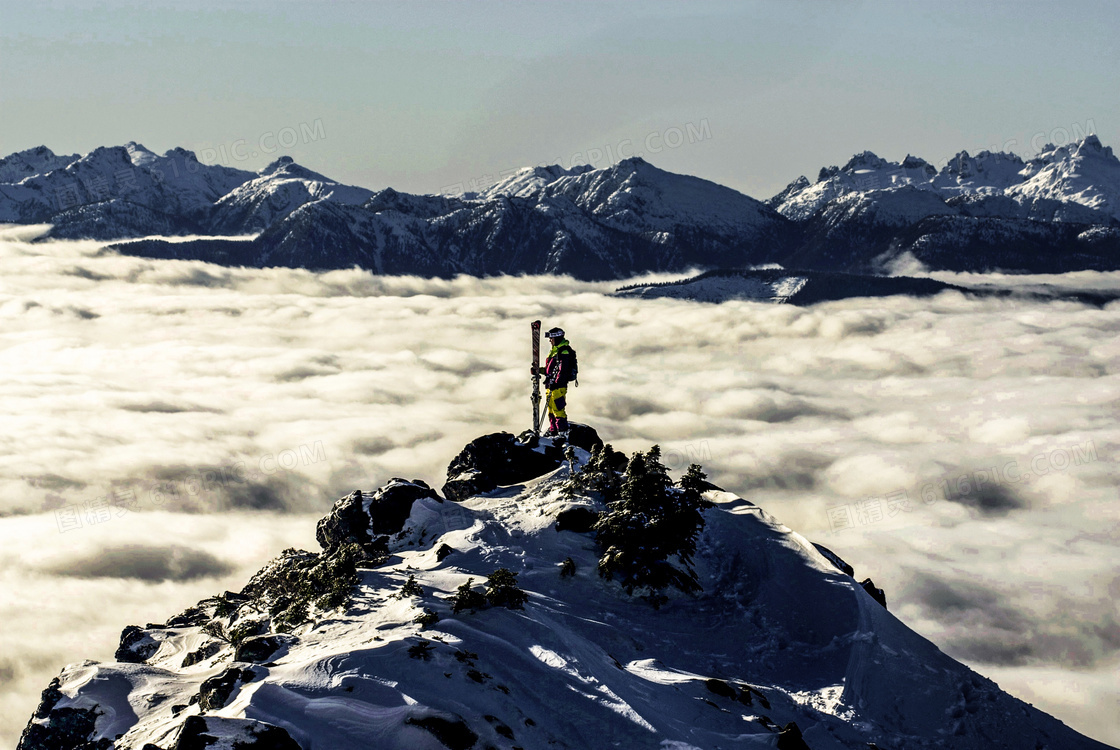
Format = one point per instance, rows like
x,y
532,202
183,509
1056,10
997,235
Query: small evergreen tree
x,y
502,591
410,588
567,568
599,476
426,618
651,522
421,650
465,598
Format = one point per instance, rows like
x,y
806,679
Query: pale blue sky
x,y
421,96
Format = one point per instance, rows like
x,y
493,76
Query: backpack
x,y
574,373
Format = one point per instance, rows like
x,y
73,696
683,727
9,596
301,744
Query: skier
x,y
560,368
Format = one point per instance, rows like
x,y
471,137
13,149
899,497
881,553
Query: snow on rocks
x,y
781,647
368,520
500,459
619,221
1085,172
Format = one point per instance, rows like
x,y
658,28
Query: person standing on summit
x,y
560,368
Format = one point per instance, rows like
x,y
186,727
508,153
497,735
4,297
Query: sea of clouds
x,y
168,426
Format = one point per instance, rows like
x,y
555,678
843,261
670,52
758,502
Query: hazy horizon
x,y
426,97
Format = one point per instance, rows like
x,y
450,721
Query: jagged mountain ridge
x,y
785,286
781,648
1056,212
802,287
1085,173
628,219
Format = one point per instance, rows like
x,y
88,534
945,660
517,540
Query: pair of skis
x,y
538,415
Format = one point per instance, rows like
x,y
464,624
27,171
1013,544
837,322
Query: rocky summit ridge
x,y
504,610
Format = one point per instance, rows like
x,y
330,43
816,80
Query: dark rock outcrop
x,y
392,504
64,728
368,520
48,700
495,460
835,559
188,618
721,688
500,459
200,732
202,653
790,738
136,646
261,648
215,692
580,519
453,733
583,436
876,593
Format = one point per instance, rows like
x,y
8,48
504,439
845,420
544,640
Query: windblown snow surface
x,y
782,633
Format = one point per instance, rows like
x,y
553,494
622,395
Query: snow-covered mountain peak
x,y
1084,172
528,182
37,152
275,165
635,195
864,160
476,617
288,167
1092,144
277,191
633,164
986,172
30,162
1088,147
103,157
791,189
918,164
140,155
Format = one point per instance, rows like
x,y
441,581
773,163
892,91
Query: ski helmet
x,y
555,333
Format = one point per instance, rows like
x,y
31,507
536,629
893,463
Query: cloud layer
x,y
959,451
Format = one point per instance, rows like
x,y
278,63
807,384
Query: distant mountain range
x,y
1059,211
802,287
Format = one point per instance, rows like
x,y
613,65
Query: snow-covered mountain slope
x,y
528,182
129,191
780,648
1085,174
592,224
987,172
863,173
607,223
635,196
778,285
197,186
1053,214
87,197
23,164
768,285
274,193
1057,212
781,286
